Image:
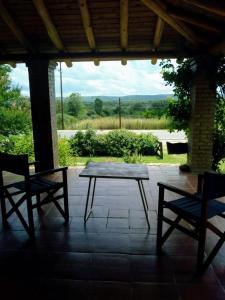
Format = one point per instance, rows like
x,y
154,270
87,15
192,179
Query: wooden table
x,y
135,172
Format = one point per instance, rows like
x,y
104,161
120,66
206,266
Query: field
x,y
127,123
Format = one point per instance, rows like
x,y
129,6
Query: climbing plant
x,y
179,108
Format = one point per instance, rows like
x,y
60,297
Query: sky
x,y
107,79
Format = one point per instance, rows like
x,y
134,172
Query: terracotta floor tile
x,y
113,255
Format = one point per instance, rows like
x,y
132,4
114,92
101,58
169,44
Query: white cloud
x,y
110,78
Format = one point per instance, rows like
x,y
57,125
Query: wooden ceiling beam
x,y
124,24
124,27
50,27
157,37
52,32
211,6
159,9
195,21
218,48
9,20
103,56
86,19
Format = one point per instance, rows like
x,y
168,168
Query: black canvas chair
x,y
197,210
34,190
177,148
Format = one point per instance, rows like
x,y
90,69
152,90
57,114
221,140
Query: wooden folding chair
x,y
37,186
197,210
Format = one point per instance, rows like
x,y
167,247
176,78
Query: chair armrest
x,y
178,191
36,162
51,171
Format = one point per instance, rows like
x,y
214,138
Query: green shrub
x,y
115,143
20,144
83,143
64,152
148,144
101,148
120,141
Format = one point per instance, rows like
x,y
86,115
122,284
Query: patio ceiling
x,y
104,30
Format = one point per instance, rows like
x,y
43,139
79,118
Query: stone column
x,y
203,100
43,109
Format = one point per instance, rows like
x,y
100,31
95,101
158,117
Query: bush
x,y
18,144
119,142
64,151
115,143
148,144
83,143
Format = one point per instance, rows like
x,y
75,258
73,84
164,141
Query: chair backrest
x,y
214,185
177,148
17,164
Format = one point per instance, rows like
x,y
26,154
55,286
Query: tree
x,y
74,105
179,110
98,106
14,108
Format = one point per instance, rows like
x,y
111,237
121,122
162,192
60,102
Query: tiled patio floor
x,y
113,256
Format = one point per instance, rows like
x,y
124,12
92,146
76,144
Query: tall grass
x,y
128,123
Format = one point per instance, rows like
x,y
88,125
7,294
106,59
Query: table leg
x,y
87,213
143,190
93,193
143,199
87,200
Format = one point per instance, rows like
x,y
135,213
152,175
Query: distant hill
x,y
127,98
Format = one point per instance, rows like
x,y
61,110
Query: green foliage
x,y
8,94
14,108
219,133
98,106
14,121
69,121
18,144
120,141
134,158
83,143
64,152
148,144
74,105
178,77
180,110
115,143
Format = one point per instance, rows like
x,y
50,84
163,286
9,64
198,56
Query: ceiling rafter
x,y
210,6
218,48
159,9
86,19
194,20
124,27
157,36
17,31
50,27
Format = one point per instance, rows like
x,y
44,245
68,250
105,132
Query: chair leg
x,y
38,198
66,201
213,253
160,220
201,248
30,217
3,209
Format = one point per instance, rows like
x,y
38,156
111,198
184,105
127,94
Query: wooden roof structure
x,y
110,29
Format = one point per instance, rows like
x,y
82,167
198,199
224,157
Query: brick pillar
x,y
42,95
203,99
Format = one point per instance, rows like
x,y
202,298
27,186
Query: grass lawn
x,y
167,159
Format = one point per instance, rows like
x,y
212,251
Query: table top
x,y
115,170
